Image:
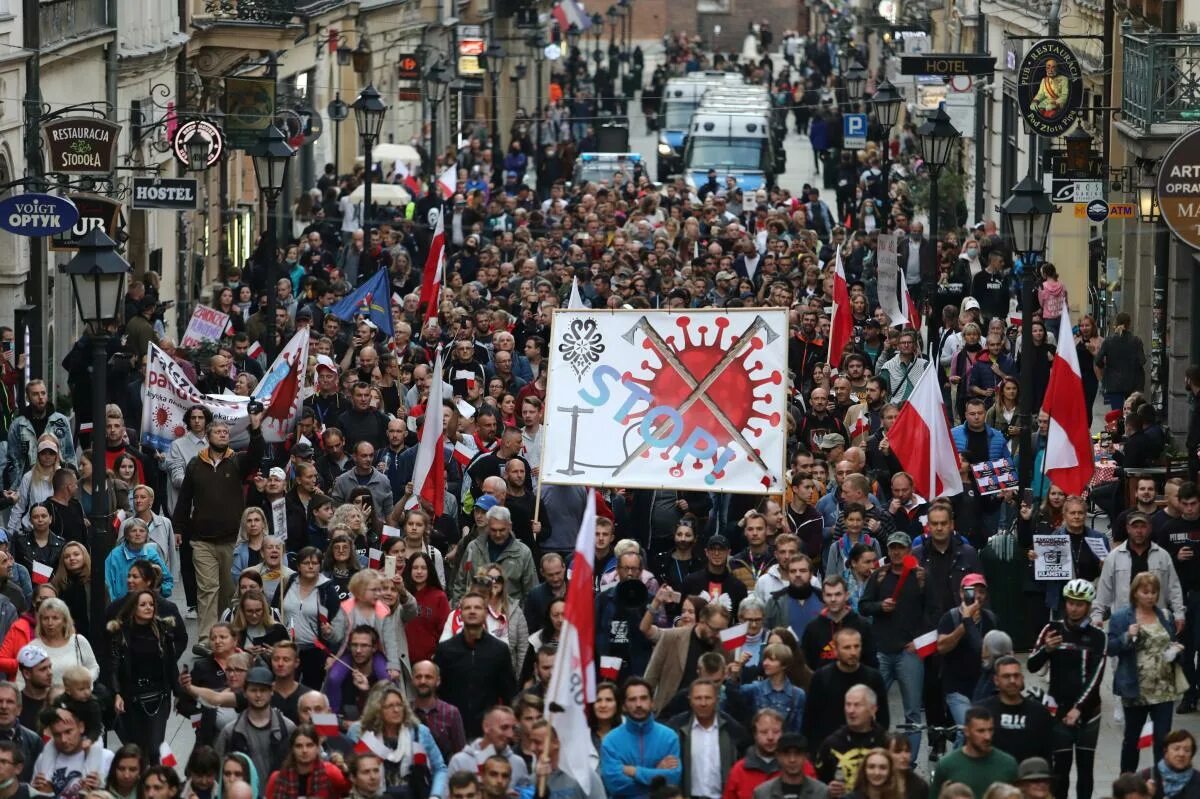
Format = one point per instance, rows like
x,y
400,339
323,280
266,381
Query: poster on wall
x,y
692,399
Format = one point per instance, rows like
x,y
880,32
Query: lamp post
x,y
537,46
435,81
856,82
338,111
886,102
597,32
1147,195
369,111
270,170
495,52
572,35
937,137
1026,217
98,282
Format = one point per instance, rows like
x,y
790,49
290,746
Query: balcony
x,y
263,12
1160,85
64,21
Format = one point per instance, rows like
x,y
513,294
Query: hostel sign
x,y
81,145
1178,188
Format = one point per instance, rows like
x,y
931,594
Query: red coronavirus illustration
x,y
162,418
721,421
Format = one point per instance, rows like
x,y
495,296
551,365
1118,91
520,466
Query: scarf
x,y
289,784
1173,782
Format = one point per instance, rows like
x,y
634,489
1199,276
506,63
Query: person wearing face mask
x,y
968,259
209,512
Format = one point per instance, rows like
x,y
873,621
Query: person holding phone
x,y
960,643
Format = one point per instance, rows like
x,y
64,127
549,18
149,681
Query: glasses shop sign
x,y
36,215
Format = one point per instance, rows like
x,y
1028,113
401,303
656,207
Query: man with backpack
x,y
261,731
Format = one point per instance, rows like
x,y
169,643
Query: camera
x,y
254,406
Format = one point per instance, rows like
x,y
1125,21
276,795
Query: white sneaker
x,y
190,614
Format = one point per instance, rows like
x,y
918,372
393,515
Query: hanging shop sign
x,y
1178,188
249,110
209,131
37,214
94,212
947,64
1050,88
302,125
81,145
171,194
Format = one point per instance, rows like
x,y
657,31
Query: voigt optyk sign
x,y
37,214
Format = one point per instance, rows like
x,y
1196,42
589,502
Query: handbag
x,y
1182,686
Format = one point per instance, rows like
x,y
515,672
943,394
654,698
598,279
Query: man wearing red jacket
x,y
759,764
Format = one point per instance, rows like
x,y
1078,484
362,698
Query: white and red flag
x,y
921,440
326,724
841,325
911,312
573,680
926,644
429,470
1068,458
610,667
734,637
41,573
431,278
448,181
1146,736
165,756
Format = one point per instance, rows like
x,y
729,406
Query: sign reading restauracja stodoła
x,y
81,145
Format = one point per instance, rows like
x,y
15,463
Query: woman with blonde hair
x,y
252,532
73,580
36,485
877,777
55,632
390,729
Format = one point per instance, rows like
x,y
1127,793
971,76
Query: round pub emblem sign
x,y
1179,188
1050,88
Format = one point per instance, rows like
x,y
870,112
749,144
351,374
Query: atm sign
x,y
1121,211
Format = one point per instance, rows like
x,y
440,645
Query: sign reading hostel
x,y
172,194
81,145
1178,188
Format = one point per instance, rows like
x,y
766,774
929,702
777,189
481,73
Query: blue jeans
x,y
958,704
906,669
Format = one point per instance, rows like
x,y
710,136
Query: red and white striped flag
x,y
165,756
374,558
610,667
256,350
926,644
841,324
326,724
431,278
1146,736
734,637
391,532
196,719
463,454
1068,459
1051,703
41,573
369,742
429,469
448,182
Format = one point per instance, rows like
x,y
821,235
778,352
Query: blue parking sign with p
x,y
854,131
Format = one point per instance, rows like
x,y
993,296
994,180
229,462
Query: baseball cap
x,y
717,542
325,362
47,444
31,655
832,441
1136,516
725,274
1034,768
970,304
305,313
260,675
973,579
792,741
900,539
486,503
277,473
303,450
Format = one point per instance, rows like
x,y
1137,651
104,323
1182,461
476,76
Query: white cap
x,y
324,361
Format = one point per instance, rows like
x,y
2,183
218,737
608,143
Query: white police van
x,y
737,143
681,98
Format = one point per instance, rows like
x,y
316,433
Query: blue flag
x,y
372,299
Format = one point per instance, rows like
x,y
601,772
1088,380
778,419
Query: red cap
x,y
973,579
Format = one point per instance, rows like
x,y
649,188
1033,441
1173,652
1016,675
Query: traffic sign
x,y
1097,210
854,131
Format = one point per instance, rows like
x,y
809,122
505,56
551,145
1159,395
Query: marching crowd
x,y
350,642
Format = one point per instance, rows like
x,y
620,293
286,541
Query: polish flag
x,y
41,573
374,558
463,454
1051,703
610,667
910,308
429,470
1069,463
1146,736
921,440
926,644
326,724
165,756
573,680
229,331
256,350
391,532
196,719
734,637
431,278
841,326
369,742
448,182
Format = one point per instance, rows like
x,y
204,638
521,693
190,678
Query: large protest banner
x,y
690,399
167,394
888,277
206,324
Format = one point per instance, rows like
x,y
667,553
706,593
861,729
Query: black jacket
x,y
475,678
817,643
128,644
211,499
825,711
1076,667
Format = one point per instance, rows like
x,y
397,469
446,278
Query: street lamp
x,y
572,35
1026,217
597,32
98,282
337,111
1147,195
856,82
361,57
198,149
369,111
435,83
937,137
495,52
887,101
270,170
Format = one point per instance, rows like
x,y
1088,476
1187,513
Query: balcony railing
x,y
271,12
1161,79
61,21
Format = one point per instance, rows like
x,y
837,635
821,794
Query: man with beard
x,y
633,755
209,510
28,426
759,764
327,403
716,579
442,718
831,684
1023,726
795,606
806,349
818,421
863,420
674,661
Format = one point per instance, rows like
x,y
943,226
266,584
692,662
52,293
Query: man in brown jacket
x,y
673,662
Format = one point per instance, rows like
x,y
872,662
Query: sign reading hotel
x,y
1179,188
81,145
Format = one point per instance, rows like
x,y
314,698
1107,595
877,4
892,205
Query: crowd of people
x,y
349,641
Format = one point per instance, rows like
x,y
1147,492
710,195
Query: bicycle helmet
x,y
1081,590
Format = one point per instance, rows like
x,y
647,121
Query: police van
x,y
681,98
737,143
603,168
748,98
